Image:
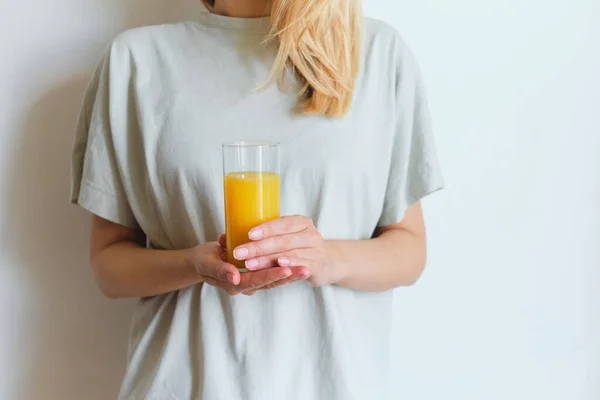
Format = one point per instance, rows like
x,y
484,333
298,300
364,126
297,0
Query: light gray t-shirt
x,y
147,154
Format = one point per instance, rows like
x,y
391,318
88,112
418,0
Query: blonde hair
x,y
320,40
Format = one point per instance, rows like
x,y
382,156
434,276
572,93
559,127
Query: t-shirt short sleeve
x,y
97,182
414,168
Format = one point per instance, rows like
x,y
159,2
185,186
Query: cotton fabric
x,y
147,155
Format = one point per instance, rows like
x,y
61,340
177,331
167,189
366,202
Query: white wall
x,y
509,307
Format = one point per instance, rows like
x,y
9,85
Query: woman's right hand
x,y
209,260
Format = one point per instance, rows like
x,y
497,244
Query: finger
x,y
294,261
270,261
280,226
232,275
218,269
276,244
230,289
300,273
224,272
223,241
255,280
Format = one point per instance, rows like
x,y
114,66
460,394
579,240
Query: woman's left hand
x,y
291,241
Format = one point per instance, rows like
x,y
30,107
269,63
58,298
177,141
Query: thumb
x,y
214,267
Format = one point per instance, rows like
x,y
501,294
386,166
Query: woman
x,y
348,107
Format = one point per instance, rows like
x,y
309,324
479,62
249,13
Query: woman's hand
x,y
209,259
291,241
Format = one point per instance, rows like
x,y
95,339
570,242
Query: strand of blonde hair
x,y
320,40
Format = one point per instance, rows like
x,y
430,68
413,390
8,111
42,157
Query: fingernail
x,y
255,234
283,261
231,277
240,253
252,264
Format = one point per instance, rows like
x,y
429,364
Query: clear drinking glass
x,y
251,183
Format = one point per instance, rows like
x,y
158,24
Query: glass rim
x,y
252,143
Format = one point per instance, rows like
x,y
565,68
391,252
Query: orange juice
x,y
251,198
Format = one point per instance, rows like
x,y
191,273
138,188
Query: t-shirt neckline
x,y
255,25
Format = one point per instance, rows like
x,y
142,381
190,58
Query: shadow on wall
x,y
77,340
